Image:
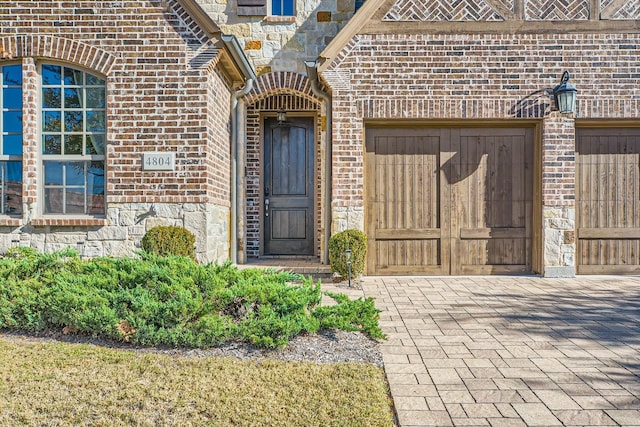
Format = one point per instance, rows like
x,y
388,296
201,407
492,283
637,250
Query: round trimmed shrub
x,y
170,240
355,240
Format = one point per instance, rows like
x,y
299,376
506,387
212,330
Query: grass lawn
x,y
77,384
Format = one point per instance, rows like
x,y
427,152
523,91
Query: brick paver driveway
x,y
511,351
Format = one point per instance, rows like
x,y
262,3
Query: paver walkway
x,y
511,351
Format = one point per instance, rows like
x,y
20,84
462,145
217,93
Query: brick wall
x,y
156,89
164,93
489,77
472,77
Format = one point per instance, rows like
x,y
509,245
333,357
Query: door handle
x,y
266,207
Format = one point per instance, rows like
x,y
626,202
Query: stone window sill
x,y
10,222
69,222
277,19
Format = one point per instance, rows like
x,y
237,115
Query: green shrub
x,y
169,240
355,240
350,315
172,300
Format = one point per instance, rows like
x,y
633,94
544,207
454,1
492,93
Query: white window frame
x,y
84,158
282,2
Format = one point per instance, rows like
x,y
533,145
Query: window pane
x,y
12,203
72,77
95,144
95,98
74,200
95,177
95,204
14,171
12,145
53,200
73,144
73,121
51,144
288,7
12,121
276,7
73,98
75,173
51,74
52,121
94,81
96,121
51,97
95,190
52,173
12,98
12,75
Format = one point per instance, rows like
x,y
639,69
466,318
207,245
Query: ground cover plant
x,y
154,300
54,383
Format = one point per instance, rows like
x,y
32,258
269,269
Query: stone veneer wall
x,y
165,92
274,43
481,76
127,224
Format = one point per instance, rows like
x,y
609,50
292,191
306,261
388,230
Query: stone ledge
x,y
276,19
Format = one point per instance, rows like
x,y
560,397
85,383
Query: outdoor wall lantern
x,y
281,116
565,94
347,255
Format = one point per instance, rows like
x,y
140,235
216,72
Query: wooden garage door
x,y
607,200
449,200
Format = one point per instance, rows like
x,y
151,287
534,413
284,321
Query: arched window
x,y
73,107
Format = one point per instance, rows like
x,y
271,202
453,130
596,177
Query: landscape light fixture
x,y
347,255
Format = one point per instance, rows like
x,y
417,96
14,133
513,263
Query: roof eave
x,y
236,52
237,65
201,17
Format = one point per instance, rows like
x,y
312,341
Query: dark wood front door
x,y
288,190
449,200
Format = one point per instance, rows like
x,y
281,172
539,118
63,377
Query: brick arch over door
x,y
283,84
272,92
49,46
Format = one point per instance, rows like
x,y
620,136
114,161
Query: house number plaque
x,y
156,161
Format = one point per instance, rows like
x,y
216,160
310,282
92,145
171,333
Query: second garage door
x,y
608,200
449,200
